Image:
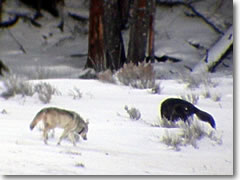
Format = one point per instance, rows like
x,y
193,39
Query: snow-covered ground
x,y
116,144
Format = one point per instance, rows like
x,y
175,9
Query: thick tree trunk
x,y
107,19
95,38
124,6
0,11
113,42
49,5
151,32
140,22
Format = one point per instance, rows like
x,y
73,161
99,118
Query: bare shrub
x,y
75,93
216,137
3,111
157,89
195,80
171,140
133,113
192,98
39,72
106,76
45,92
206,93
81,165
216,97
189,134
164,122
213,96
141,76
15,85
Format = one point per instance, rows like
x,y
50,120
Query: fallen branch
x,y
78,17
189,5
18,43
164,58
204,18
26,17
9,23
214,55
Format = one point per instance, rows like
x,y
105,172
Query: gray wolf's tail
x,y
39,116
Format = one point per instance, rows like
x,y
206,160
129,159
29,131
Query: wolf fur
x,y
174,109
70,121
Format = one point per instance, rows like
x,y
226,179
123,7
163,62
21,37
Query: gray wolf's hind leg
x,y
45,135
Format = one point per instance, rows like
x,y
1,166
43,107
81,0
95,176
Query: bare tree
x,y
0,11
106,49
95,58
124,6
113,41
107,20
141,25
151,55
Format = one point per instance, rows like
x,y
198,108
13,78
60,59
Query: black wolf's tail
x,y
205,117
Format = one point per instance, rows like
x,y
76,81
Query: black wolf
x,y
174,109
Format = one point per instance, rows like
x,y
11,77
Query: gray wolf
x,y
70,121
174,109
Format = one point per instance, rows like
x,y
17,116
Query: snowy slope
x,y
47,47
116,144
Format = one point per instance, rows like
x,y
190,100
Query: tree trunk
x,y
0,11
151,32
139,25
107,19
95,58
124,6
113,42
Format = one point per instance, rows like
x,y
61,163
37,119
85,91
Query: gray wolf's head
x,y
84,131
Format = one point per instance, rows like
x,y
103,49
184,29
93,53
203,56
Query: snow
x,y
213,55
116,144
48,47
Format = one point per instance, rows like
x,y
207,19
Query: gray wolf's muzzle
x,y
84,138
83,134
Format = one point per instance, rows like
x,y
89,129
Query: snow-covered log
x,y
214,55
